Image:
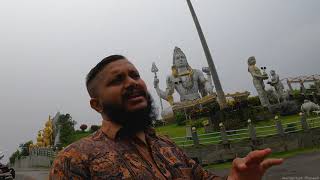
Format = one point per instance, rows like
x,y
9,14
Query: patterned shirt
x,y
104,155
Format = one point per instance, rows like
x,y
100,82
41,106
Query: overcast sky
x,y
48,47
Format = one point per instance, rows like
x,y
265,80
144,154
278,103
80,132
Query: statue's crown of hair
x,y
177,51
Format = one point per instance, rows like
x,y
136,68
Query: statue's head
x,y
273,72
251,61
179,58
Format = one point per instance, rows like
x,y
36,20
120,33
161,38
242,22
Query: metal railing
x,y
250,133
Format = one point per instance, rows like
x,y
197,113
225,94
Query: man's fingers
x,y
239,163
266,164
257,156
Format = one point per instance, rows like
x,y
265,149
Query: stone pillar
x,y
223,132
317,84
252,132
188,131
216,81
195,136
304,122
279,126
302,88
289,85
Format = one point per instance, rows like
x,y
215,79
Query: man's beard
x,y
131,122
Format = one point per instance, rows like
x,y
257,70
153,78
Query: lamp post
x,y
215,77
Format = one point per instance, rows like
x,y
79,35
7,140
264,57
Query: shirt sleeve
x,y
201,174
69,165
197,171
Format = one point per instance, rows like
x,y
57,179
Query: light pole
x,y
215,77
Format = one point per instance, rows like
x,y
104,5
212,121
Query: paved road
x,y
301,167
32,174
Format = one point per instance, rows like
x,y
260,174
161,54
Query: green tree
x,y
24,148
67,128
14,156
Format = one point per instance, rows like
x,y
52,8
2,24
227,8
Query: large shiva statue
x,y
189,83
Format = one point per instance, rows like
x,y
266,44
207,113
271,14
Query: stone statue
x,y
258,83
188,82
57,142
277,85
47,133
308,106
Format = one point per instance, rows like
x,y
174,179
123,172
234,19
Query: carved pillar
x,y
223,132
195,136
252,132
304,123
289,85
279,126
302,88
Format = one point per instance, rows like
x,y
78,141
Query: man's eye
x,y
136,76
116,80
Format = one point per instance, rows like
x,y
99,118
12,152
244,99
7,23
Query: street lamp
x,y
215,77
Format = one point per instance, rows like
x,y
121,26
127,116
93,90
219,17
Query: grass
x,y
76,136
284,155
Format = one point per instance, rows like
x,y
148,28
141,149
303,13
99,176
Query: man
x,y
126,147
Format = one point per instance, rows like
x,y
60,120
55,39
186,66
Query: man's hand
x,y
253,166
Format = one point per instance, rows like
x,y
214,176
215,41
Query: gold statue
x,y
48,133
39,139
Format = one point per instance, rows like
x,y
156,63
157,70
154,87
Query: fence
x,y
251,133
40,151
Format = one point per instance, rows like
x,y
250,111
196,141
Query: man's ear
x,y
95,104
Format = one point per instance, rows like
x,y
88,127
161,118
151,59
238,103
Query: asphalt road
x,y
301,167
32,174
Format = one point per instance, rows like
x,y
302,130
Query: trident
x,y
154,69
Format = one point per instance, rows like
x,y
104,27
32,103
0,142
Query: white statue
x,y
257,78
188,82
277,85
308,106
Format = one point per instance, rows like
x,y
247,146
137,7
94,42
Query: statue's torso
x,y
187,86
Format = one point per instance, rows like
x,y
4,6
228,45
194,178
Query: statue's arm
x,y
169,90
254,74
207,85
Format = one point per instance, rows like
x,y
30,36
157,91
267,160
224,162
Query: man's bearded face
x,y
123,96
131,121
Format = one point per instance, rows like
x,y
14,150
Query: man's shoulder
x,y
86,147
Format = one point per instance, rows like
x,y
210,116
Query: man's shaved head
x,y
96,70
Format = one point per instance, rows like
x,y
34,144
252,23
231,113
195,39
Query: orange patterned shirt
x,y
107,156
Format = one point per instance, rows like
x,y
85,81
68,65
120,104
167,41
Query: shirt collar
x,y
111,129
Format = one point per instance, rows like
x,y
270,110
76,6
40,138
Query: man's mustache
x,y
134,91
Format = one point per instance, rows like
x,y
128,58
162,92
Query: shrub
x,y
94,128
83,127
291,127
180,119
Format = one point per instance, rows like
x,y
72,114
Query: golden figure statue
x,y
39,139
48,133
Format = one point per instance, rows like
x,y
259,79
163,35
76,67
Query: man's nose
x,y
130,82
